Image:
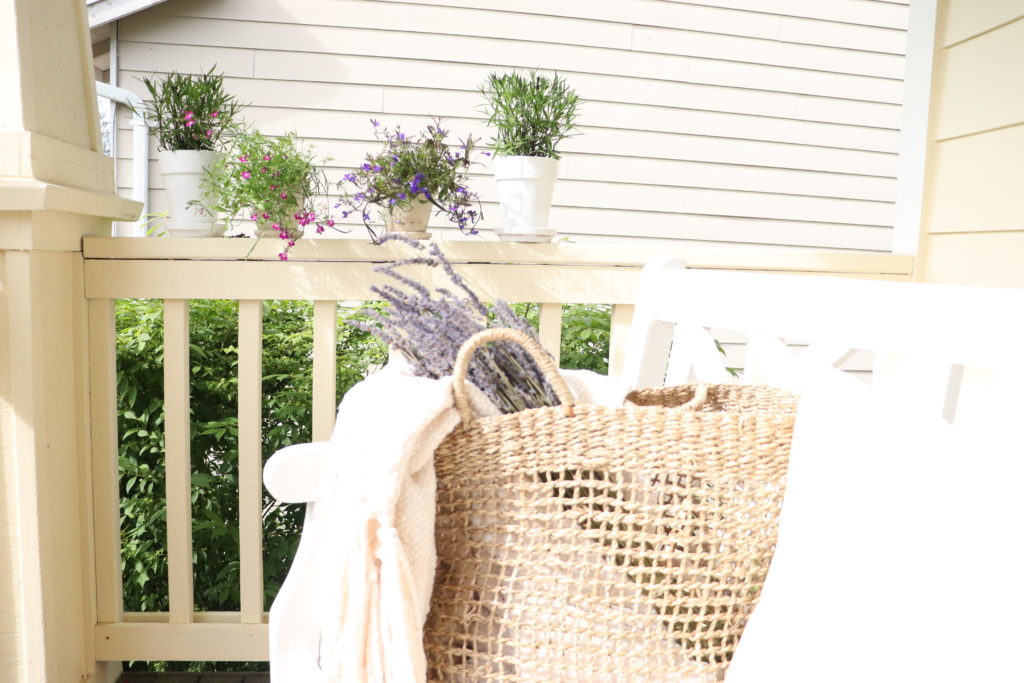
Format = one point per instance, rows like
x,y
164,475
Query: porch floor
x,y
145,677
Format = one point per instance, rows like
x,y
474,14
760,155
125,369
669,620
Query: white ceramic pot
x,y
411,221
525,188
183,171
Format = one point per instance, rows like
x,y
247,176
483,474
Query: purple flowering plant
x,y
429,326
413,169
275,182
189,111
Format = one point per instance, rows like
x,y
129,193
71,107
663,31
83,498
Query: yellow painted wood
x,y
622,318
199,641
99,250
45,541
719,17
982,258
716,176
178,458
250,458
976,182
981,88
551,329
32,155
104,439
231,280
421,19
27,194
325,335
808,92
648,52
966,19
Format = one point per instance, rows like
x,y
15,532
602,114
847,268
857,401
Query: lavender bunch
x,y
429,327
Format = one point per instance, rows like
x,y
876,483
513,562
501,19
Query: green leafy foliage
x,y
586,334
287,389
273,181
189,111
531,112
410,170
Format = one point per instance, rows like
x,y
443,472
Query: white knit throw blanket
x,y
378,571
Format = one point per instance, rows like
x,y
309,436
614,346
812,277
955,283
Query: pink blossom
x,y
254,217
263,170
190,123
291,243
246,175
273,187
283,256
215,114
283,195
188,115
243,159
330,222
267,157
209,132
266,216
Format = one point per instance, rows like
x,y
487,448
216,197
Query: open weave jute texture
x,y
615,544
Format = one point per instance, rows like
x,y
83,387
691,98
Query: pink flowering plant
x,y
413,169
275,182
189,111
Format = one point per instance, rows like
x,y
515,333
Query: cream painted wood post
x,y
178,454
55,187
325,342
250,459
551,329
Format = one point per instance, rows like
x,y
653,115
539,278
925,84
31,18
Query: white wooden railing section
x,y
324,272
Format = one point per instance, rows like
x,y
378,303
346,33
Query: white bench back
x,y
901,526
942,347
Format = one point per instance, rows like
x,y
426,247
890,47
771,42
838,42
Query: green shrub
x,y
287,391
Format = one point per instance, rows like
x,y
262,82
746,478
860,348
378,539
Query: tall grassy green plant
x,y
531,113
187,111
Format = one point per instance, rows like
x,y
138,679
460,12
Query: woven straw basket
x,y
583,543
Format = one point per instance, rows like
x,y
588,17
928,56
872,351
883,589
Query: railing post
x,y
55,187
179,461
550,332
250,459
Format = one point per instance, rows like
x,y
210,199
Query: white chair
x,y
944,355
900,532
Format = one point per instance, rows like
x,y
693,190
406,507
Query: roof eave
x,y
102,12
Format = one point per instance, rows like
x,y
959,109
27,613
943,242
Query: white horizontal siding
x,y
727,121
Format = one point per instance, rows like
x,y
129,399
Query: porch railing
x,y
324,272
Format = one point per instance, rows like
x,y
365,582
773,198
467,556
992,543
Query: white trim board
x,y
103,12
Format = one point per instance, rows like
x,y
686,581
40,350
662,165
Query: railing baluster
x,y
178,459
250,458
622,318
325,336
551,329
103,419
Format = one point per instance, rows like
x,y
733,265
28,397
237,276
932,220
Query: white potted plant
x,y
408,178
530,113
275,182
189,115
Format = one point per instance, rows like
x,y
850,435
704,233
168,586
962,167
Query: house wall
x,y
716,121
974,213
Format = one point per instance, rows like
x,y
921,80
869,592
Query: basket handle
x,y
543,360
